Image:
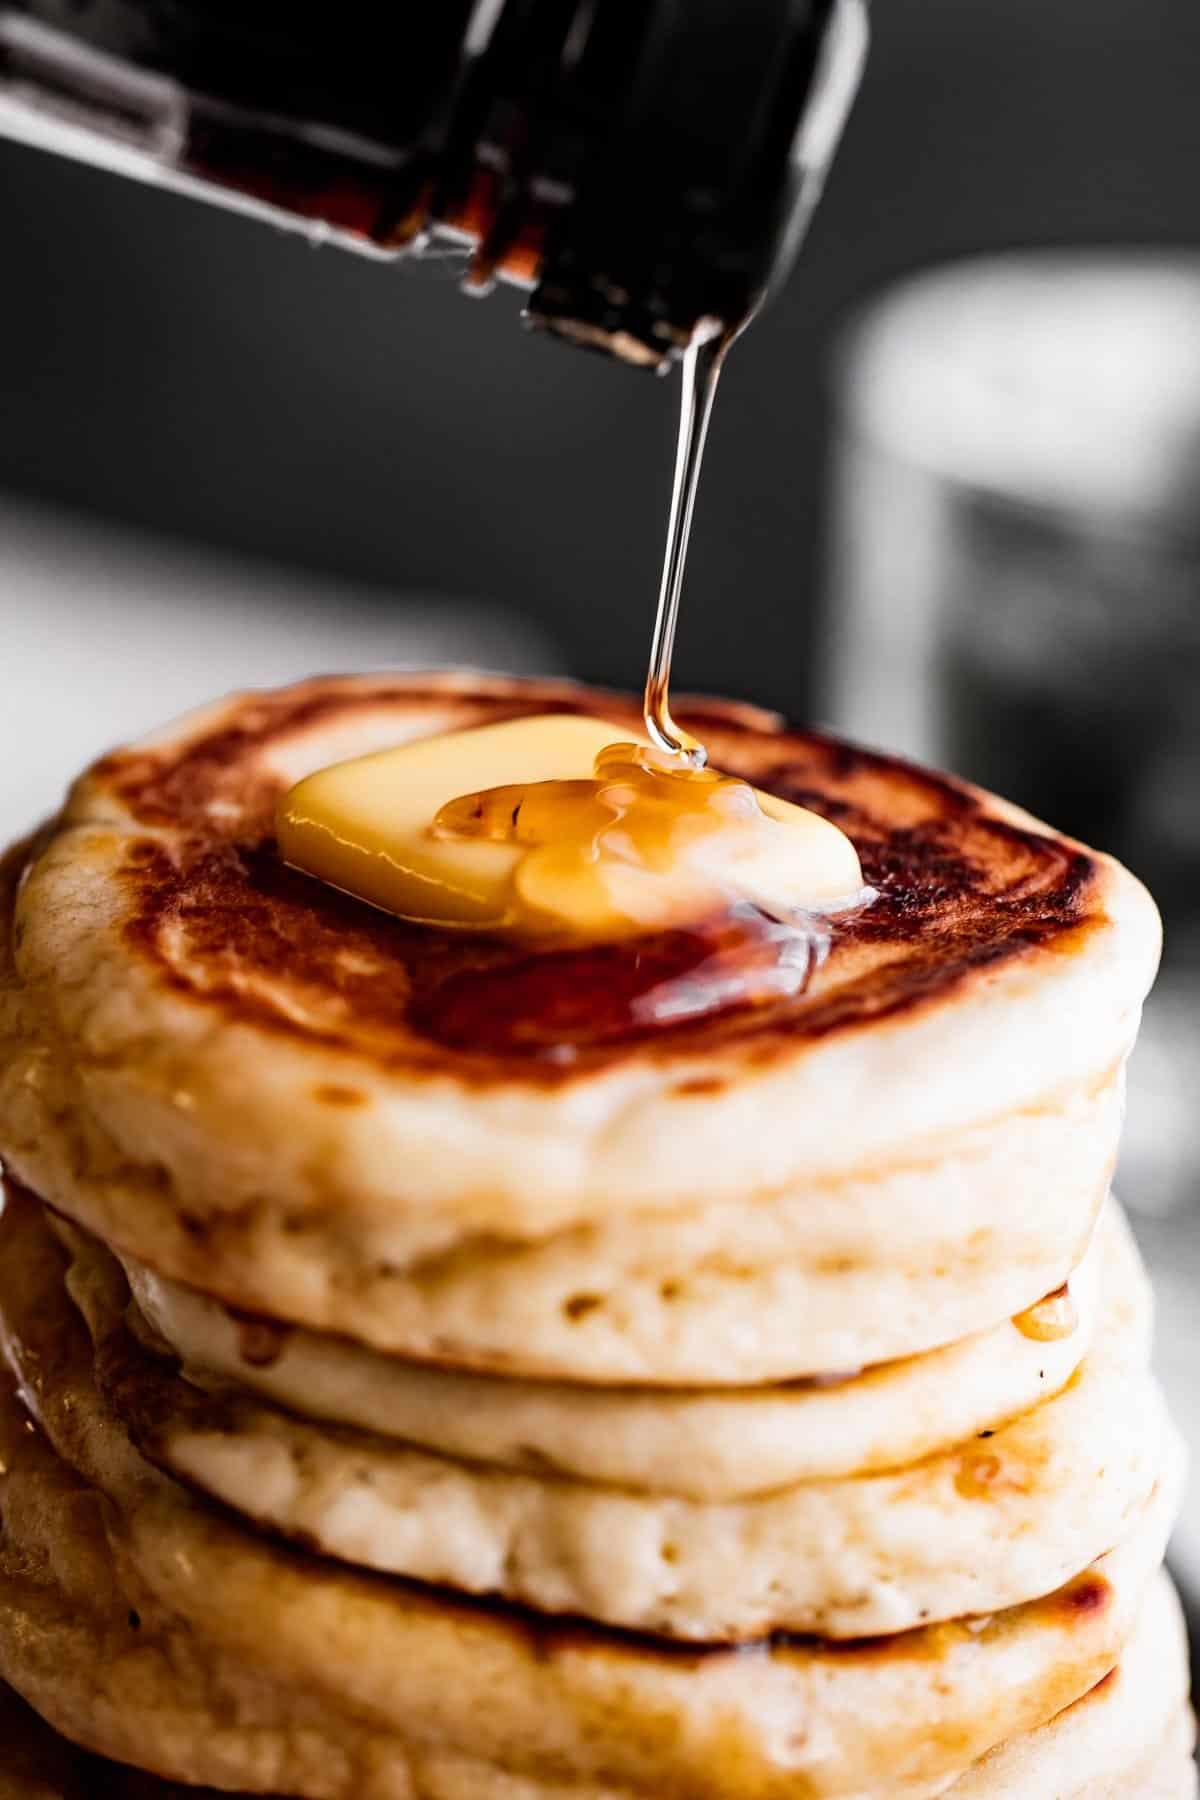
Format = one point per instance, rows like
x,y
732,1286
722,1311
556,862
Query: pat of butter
x,y
668,845
366,825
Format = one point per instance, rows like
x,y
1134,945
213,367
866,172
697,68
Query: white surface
x,y
1064,385
1063,378
105,634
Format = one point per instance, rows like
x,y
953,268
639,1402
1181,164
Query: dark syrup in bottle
x,y
644,171
640,168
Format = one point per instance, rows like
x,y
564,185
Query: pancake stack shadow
x,y
757,1410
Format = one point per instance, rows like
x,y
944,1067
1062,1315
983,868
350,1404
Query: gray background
x,y
181,369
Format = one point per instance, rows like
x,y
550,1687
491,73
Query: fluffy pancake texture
x,y
698,1444
1130,1738
1132,1735
314,1112
428,1381
975,1528
128,1607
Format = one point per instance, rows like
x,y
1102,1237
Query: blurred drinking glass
x,y
1015,593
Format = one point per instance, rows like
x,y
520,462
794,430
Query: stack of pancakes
x,y
440,1370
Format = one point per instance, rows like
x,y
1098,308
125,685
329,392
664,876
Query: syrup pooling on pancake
x,y
651,840
573,840
957,888
354,1146
279,1094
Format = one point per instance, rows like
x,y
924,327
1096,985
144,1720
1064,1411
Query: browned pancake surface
x,y
963,885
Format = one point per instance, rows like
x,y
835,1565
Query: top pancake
x,y
246,1052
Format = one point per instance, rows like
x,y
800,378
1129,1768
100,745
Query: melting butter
x,y
548,828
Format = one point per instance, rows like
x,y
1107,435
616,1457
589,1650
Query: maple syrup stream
x,y
701,370
561,1003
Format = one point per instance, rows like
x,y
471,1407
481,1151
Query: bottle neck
x,y
640,170
685,201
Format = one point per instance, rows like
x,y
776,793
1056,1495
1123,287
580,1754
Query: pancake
x,y
1167,1772
1129,1739
153,1628
981,1526
715,1444
1132,1735
37,1764
452,1150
